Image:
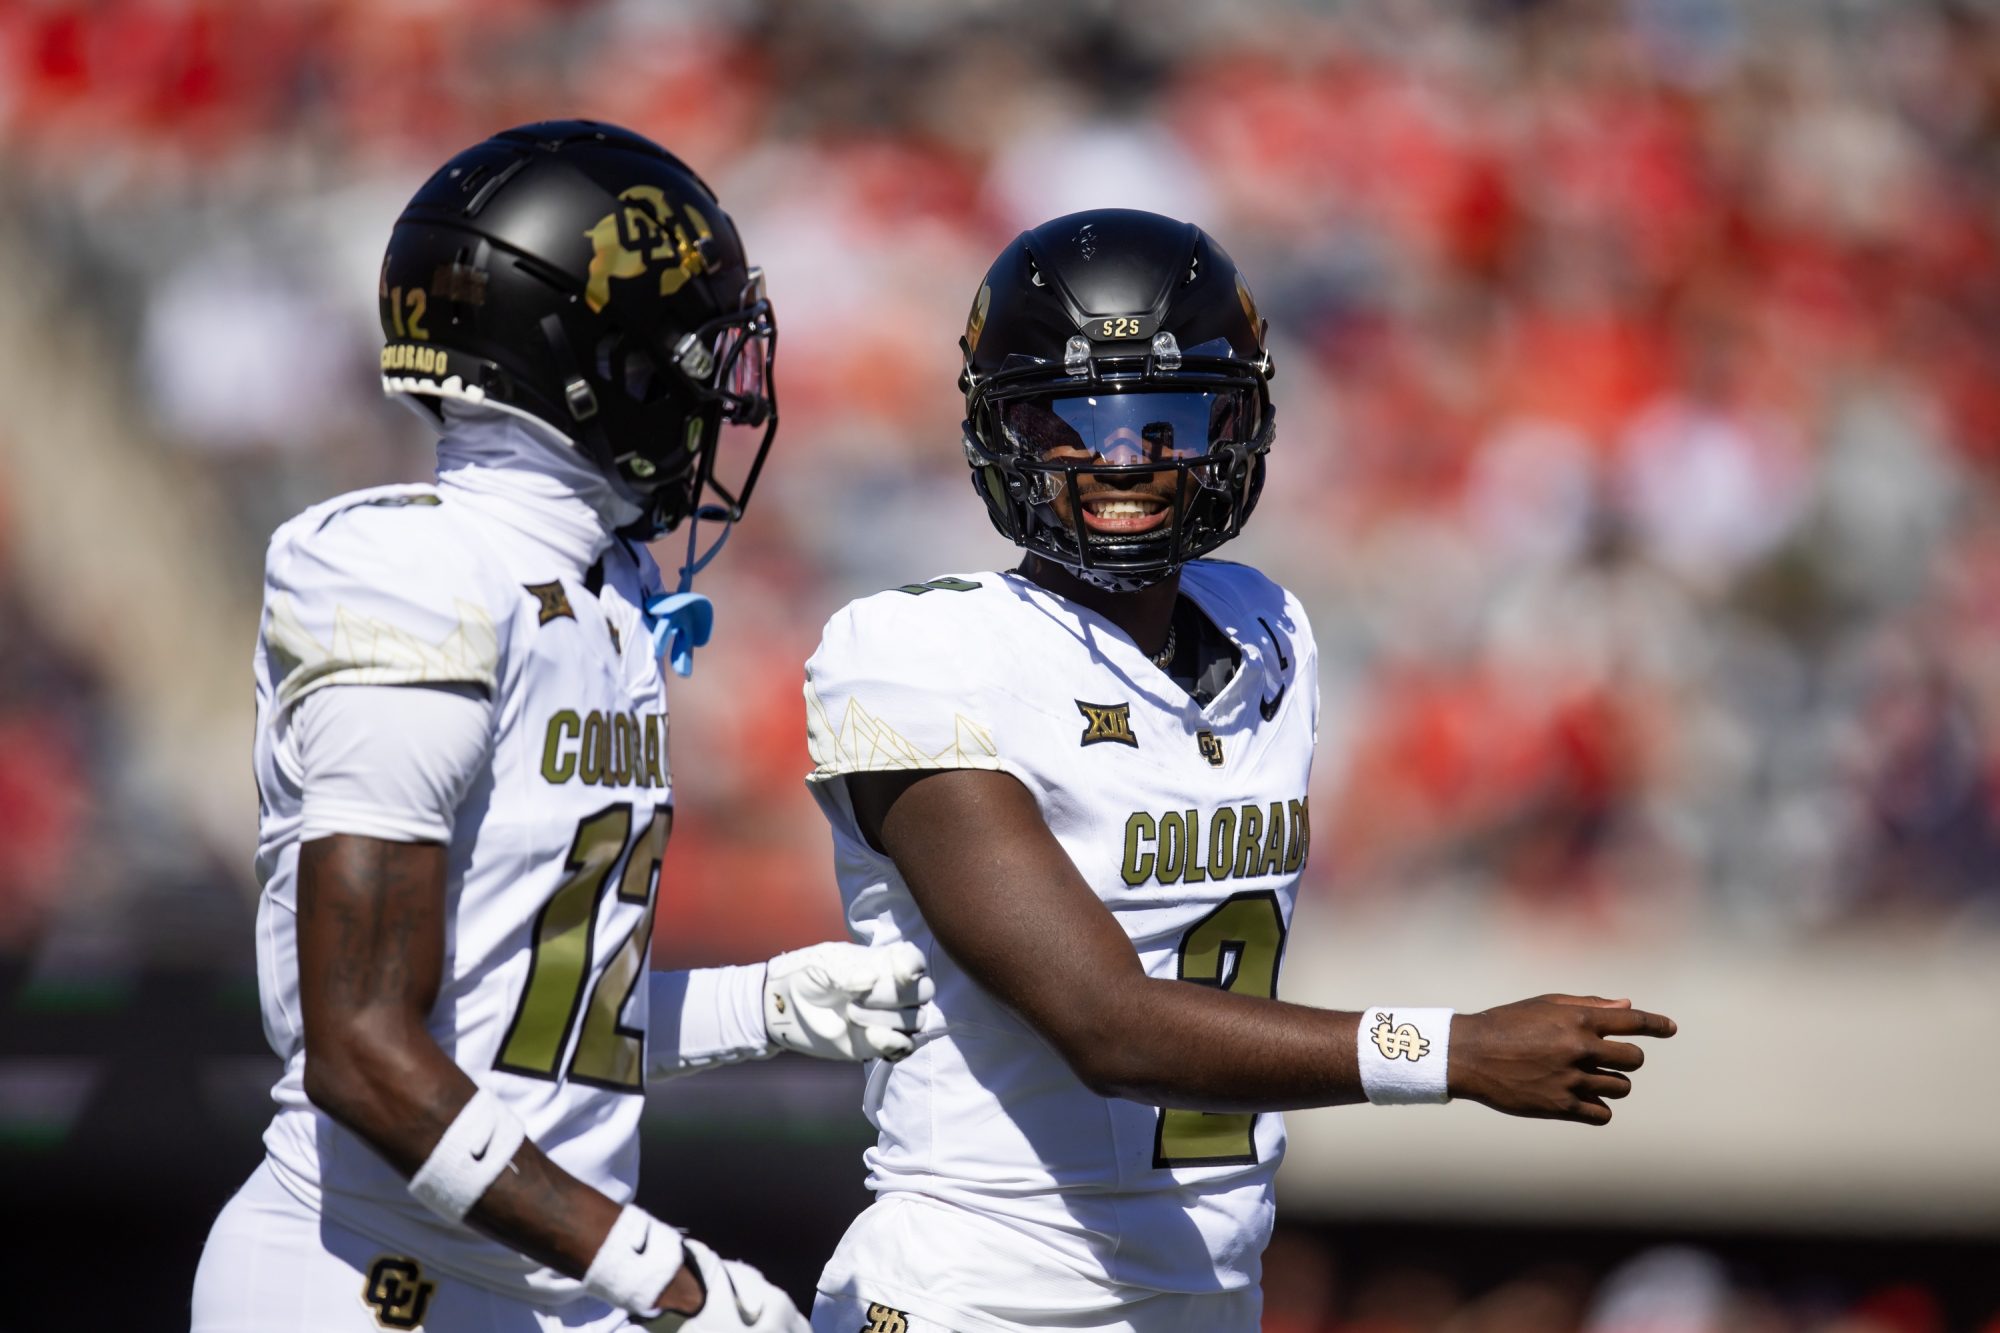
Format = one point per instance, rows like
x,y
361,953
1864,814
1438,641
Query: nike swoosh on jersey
x,y
1269,707
1284,663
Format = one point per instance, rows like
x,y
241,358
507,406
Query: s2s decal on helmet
x,y
625,242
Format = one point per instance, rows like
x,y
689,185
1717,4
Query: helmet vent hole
x,y
1194,270
492,187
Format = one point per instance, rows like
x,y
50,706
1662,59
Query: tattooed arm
x,y
371,955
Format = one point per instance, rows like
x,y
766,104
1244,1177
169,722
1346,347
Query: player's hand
x,y
1555,1056
739,1297
846,1001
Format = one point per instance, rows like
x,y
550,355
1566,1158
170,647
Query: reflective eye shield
x,y
730,356
746,345
726,362
1127,429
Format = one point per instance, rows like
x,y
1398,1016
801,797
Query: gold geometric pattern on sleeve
x,y
367,650
864,743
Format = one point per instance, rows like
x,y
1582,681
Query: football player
x,y
1080,787
462,762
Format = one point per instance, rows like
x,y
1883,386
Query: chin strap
x,y
681,621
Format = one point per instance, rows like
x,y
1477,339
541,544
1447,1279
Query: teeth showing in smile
x,y
1123,518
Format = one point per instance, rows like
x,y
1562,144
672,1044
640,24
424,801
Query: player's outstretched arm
x,y
834,1001
371,954
1004,899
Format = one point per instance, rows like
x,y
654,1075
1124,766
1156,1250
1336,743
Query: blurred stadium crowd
x,y
1640,394
1638,369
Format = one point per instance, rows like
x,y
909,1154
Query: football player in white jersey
x,y
1080,787
462,763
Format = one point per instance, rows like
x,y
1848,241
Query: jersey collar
x,y
529,477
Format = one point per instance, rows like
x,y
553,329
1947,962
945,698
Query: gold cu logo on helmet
x,y
1394,1039
643,230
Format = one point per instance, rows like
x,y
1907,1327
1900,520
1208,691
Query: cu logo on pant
x,y
882,1319
397,1292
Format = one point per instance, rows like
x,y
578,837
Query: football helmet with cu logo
x,y
582,275
1118,412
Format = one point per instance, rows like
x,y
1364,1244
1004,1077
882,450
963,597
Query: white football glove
x,y
739,1297
847,1002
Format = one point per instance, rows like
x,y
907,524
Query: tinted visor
x,y
1122,429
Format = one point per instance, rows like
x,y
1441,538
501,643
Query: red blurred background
x,y
1639,392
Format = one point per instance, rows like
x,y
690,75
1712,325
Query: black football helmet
x,y
1116,395
582,274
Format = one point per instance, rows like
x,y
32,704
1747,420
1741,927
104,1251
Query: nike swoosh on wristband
x,y
1269,707
480,1155
644,1241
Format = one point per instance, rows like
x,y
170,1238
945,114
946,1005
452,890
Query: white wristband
x,y
1403,1054
639,1257
475,1149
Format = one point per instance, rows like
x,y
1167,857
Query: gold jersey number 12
x,y
1250,930
608,1054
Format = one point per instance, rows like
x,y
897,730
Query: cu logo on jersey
x,y
397,1292
882,1319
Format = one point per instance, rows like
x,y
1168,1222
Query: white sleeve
x,y
389,761
710,1016
893,687
379,594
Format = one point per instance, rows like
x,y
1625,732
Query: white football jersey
x,y
554,857
1190,823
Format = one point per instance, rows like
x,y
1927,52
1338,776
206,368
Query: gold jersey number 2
x,y
608,1054
1247,931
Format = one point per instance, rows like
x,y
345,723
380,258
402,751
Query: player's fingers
x,y
1633,1022
856,978
895,989
1605,1085
897,976
906,962
1588,1111
888,1043
1587,1001
1618,1055
905,1019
